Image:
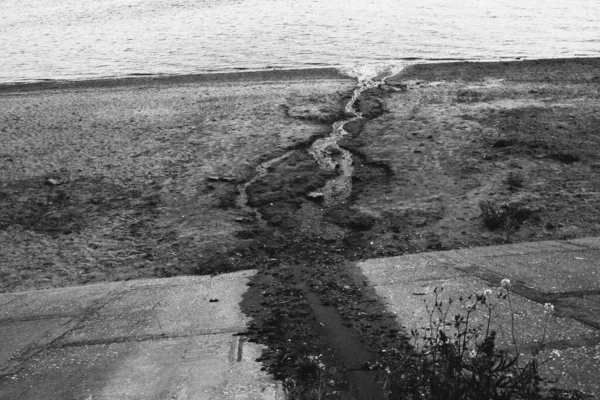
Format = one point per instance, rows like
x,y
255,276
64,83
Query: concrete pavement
x,y
565,274
176,338
149,339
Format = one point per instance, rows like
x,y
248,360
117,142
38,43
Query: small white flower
x,y
505,282
487,292
555,353
549,307
472,354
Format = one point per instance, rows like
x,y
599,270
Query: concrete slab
x,y
17,337
593,242
553,245
474,254
554,272
68,302
416,267
594,297
455,256
194,305
408,301
9,298
579,373
515,249
28,337
582,309
200,367
502,250
567,273
150,339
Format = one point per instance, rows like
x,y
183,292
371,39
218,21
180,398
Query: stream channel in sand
x,y
330,156
326,151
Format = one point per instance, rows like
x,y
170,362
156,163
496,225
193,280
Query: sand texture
x,y
108,181
126,182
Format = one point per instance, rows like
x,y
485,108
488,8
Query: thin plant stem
x,y
512,322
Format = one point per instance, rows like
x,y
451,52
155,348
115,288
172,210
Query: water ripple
x,y
75,39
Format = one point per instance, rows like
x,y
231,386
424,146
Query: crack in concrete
x,y
521,288
16,362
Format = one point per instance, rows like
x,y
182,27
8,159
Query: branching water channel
x,y
326,151
336,338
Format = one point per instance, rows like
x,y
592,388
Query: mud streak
x,y
260,171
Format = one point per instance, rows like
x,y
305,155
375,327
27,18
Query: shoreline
x,y
218,77
319,73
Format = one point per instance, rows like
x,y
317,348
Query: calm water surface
x,y
82,39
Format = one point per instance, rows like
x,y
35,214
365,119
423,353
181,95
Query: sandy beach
x,y
120,179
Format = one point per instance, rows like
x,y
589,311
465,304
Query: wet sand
x,y
159,80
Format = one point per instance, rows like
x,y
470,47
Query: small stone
x,y
315,196
331,150
213,178
53,182
400,86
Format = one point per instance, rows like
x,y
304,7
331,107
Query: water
x,y
327,152
82,39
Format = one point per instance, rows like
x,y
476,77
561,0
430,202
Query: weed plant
x,y
507,217
311,381
454,358
515,180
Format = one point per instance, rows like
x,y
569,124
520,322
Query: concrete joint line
x,y
563,344
139,338
240,348
12,301
37,318
583,246
578,293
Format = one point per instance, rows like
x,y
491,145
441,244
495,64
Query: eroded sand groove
x,y
326,151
